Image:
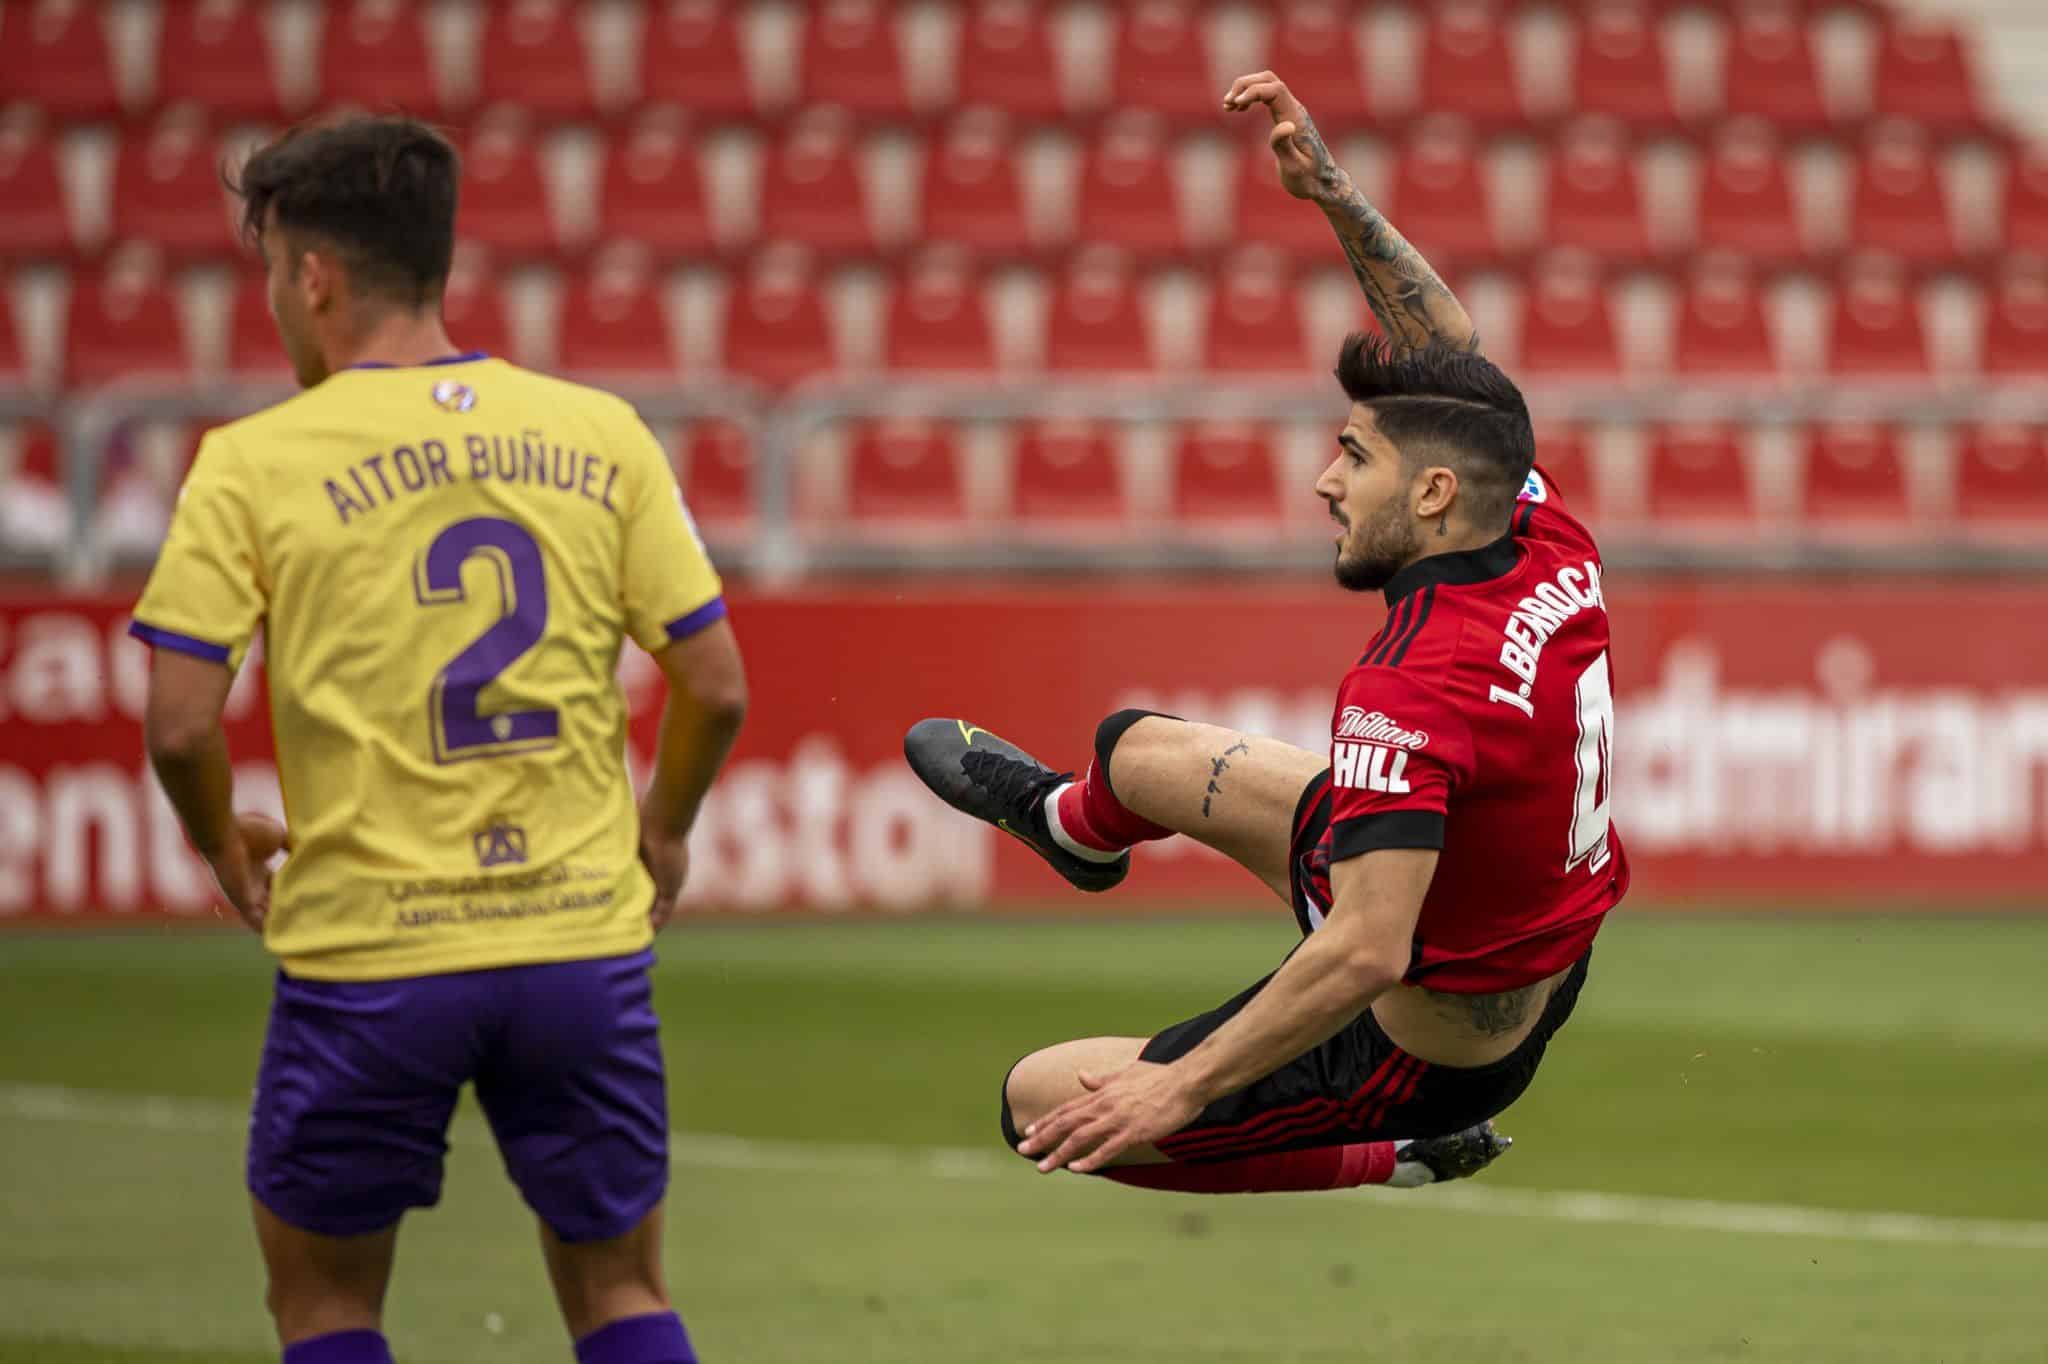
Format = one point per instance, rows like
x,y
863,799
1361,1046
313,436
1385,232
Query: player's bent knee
x,y
1049,1077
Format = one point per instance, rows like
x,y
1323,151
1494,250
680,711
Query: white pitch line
x,y
52,1104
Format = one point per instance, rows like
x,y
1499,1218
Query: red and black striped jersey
x,y
1480,721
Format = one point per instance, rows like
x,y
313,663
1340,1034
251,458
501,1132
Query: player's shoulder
x,y
597,404
1541,513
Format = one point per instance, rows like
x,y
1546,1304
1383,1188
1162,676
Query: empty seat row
x,y
376,53
613,320
655,183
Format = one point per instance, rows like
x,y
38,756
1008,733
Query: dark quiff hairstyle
x,y
1439,405
380,190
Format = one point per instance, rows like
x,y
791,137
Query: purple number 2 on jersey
x,y
460,729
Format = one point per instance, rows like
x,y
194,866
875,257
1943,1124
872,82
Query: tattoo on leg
x,y
1218,765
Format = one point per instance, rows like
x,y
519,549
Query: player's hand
x,y
1307,170
1135,1106
667,859
242,869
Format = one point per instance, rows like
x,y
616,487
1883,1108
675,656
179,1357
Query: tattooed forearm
x,y
1492,1015
1414,306
1218,765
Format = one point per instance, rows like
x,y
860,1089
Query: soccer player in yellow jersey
x,y
444,553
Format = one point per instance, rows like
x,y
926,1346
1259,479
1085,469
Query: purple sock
x,y
657,1338
340,1347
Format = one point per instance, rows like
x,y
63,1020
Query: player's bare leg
x,y
1234,792
602,1283
325,1285
1153,776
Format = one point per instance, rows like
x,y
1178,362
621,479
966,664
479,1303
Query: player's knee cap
x,y
1113,728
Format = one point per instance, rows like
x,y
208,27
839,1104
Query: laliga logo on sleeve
x,y
1372,727
450,396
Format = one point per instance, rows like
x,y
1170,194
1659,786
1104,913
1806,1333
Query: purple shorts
x,y
359,1079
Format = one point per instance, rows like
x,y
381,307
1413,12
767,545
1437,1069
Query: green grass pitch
x,y
855,1206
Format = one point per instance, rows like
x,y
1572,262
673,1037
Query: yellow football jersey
x,y
443,560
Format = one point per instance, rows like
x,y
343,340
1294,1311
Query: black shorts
x,y
1358,1086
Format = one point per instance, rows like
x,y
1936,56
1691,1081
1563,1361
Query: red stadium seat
x,y
123,323
2002,473
254,351
167,188
1595,199
2016,327
1254,317
718,475
2025,218
504,197
1898,204
214,53
1770,71
53,54
1922,73
1467,68
1618,66
1564,451
1853,473
1006,61
1745,196
612,318
937,317
690,55
1269,216
813,192
775,327
1162,63
654,187
35,511
1567,328
1096,326
850,59
373,54
905,471
35,223
970,191
1696,475
1875,322
471,307
1440,196
533,54
1225,471
1315,47
13,361
1721,327
1067,471
1127,190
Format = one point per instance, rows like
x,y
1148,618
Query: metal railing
x,y
783,546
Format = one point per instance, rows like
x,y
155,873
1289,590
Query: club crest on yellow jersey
x,y
450,396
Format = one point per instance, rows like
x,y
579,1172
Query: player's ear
x,y
1438,488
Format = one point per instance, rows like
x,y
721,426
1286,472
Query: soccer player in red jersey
x,y
1451,856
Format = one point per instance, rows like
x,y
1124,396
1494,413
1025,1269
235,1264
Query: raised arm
x,y
1414,306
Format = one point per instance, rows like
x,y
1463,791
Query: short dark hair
x,y
380,189
1449,404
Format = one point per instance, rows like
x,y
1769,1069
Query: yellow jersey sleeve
x,y
208,592
670,590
